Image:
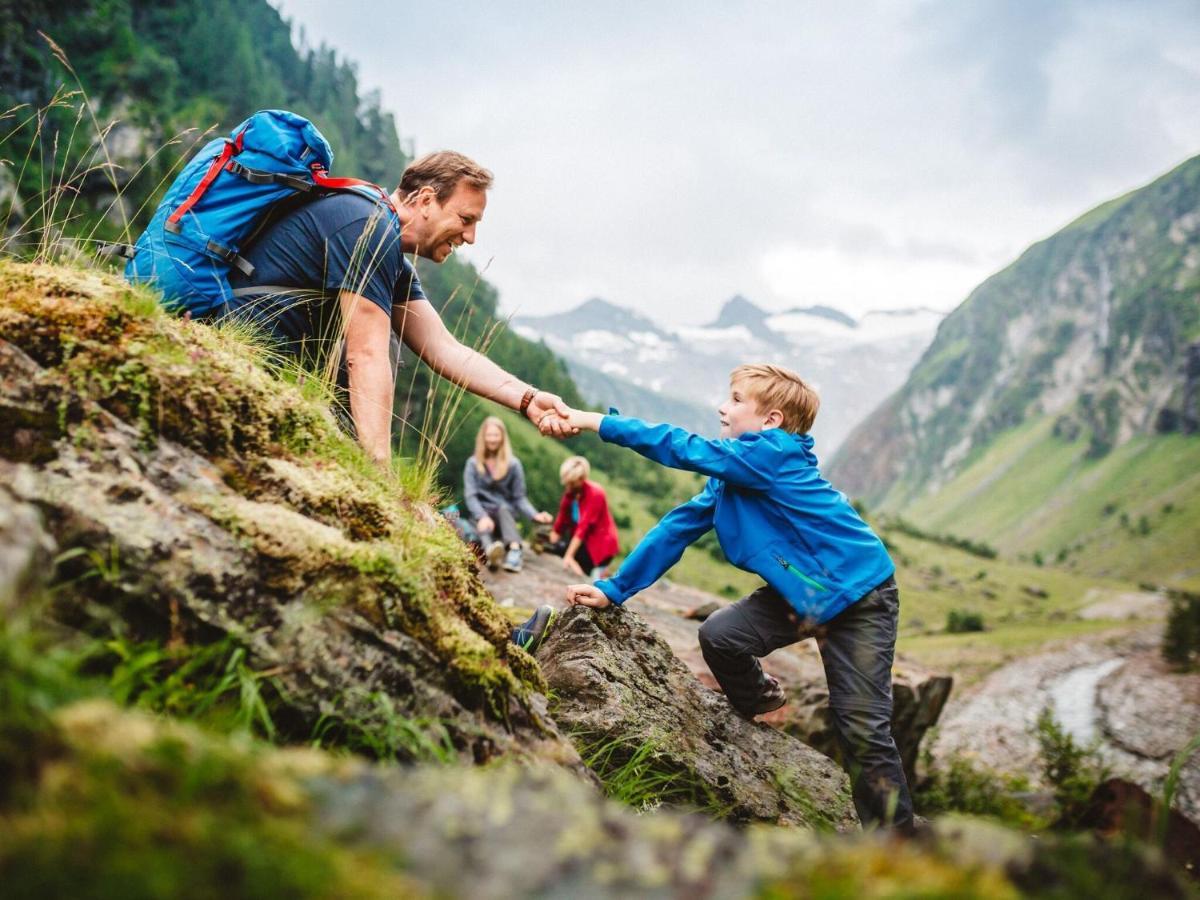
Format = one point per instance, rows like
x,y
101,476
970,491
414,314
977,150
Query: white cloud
x,y
668,156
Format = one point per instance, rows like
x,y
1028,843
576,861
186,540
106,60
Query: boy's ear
x,y
774,419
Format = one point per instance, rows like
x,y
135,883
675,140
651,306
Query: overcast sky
x,y
666,156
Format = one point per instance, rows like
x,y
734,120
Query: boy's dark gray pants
x,y
856,647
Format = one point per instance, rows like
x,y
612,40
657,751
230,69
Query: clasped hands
x,y
554,418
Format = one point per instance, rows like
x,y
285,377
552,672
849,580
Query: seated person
x,y
494,493
584,533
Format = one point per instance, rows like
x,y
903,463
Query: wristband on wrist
x,y
530,393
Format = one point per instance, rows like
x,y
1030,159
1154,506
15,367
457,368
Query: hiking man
x,y
335,268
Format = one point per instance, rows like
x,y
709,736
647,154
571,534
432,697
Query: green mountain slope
x,y
1096,326
1135,513
1058,405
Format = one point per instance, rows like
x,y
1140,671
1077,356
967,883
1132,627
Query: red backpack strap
x,y
230,149
323,180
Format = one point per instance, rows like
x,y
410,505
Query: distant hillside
x,y
1056,411
618,352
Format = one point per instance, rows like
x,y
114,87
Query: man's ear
x,y
774,419
424,198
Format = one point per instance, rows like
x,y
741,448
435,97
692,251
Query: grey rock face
x,y
617,683
188,558
26,550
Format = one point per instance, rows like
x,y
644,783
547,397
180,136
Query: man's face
x,y
445,226
739,414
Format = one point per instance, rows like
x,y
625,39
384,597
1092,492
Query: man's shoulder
x,y
344,207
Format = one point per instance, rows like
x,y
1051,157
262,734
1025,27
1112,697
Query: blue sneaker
x,y
512,560
528,636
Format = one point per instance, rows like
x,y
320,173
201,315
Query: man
x,y
333,269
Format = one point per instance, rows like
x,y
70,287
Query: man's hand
x,y
571,565
548,412
485,524
554,536
586,595
543,517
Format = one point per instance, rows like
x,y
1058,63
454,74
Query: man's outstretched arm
x,y
421,328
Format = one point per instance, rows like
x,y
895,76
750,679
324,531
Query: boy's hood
x,y
785,440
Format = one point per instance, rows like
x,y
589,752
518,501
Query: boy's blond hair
x,y
574,470
774,387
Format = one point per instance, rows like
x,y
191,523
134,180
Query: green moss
x,y
325,522
130,811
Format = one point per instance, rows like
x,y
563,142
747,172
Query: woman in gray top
x,y
494,492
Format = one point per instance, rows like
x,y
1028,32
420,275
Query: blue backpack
x,y
220,201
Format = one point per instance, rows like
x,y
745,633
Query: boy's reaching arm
x,y
751,462
659,549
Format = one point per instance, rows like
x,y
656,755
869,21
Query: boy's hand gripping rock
x,y
587,595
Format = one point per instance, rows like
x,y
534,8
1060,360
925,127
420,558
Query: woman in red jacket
x,y
584,532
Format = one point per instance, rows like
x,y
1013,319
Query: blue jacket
x,y
775,516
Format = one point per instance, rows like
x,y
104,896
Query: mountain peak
x,y
739,311
595,313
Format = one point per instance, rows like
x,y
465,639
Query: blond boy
x,y
827,574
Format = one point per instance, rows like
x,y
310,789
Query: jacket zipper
x,y
816,585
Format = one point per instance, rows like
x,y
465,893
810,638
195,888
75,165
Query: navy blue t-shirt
x,y
341,242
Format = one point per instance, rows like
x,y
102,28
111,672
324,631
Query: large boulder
x,y
196,498
624,696
675,612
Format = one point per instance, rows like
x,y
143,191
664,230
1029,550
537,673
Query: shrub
x,y
960,621
963,787
1072,771
1181,639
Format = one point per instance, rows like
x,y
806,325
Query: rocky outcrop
x,y
1112,694
674,611
621,693
918,697
195,498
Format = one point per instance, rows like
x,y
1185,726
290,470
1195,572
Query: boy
x,y
827,574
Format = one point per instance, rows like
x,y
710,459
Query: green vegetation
x,y
1181,640
636,775
962,786
960,621
936,580
1072,771
1133,514
89,798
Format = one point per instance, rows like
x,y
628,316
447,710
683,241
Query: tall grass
x,y
638,774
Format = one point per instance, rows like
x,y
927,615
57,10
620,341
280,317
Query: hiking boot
x,y
512,560
772,697
494,553
528,636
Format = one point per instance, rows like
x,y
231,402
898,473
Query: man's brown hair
x,y
442,170
774,387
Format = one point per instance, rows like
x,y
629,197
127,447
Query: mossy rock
x,y
201,492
